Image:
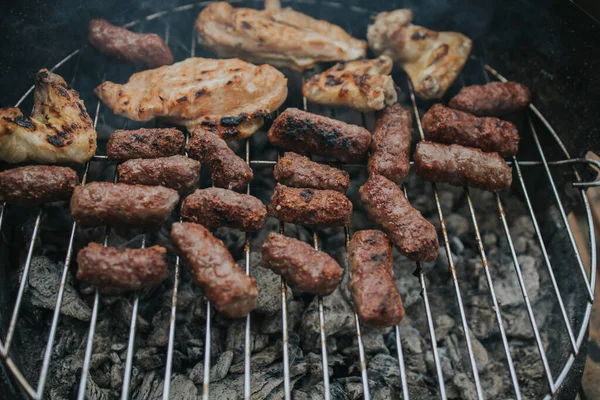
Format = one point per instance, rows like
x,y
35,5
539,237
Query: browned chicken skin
x,y
298,171
37,184
304,132
492,99
114,270
136,48
374,292
129,206
144,143
227,97
224,284
311,207
362,84
176,172
445,125
390,147
216,207
227,170
278,36
462,166
58,131
307,269
410,232
431,59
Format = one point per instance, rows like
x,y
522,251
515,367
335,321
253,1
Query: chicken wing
x,y
362,84
431,59
278,36
58,131
227,97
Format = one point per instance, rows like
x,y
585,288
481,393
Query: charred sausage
x,y
216,207
37,184
129,206
390,148
136,48
448,126
227,170
309,270
226,286
298,171
492,99
311,207
304,132
462,166
176,172
115,270
372,286
410,232
144,143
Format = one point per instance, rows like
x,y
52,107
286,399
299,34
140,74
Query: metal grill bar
x,y
285,335
131,341
247,348
452,268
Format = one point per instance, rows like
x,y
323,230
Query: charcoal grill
x,y
540,132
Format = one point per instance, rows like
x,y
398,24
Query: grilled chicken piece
x,y
278,36
431,59
362,84
58,131
227,97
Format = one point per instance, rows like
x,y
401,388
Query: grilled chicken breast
x,y
278,36
431,59
227,97
58,131
362,84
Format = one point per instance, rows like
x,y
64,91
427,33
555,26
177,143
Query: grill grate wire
x,y
553,383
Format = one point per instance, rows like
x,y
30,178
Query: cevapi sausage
x,y
298,171
37,184
309,270
216,207
144,143
374,292
129,206
115,270
448,126
462,166
410,232
310,207
176,172
224,283
492,99
303,132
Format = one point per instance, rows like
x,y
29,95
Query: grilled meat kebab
x,y
390,147
310,207
223,282
410,232
37,184
227,170
176,172
492,99
431,59
448,126
307,269
462,166
114,270
58,131
277,36
216,207
144,143
374,292
298,171
129,206
365,85
136,48
227,97
301,131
